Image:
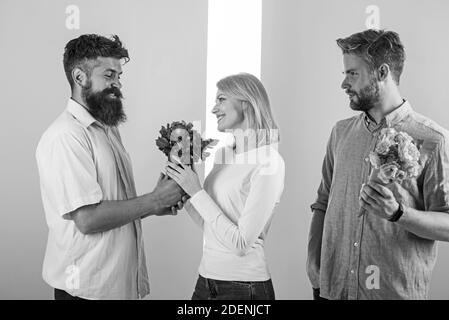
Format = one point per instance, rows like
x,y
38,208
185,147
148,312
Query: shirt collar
x,y
398,114
394,117
80,113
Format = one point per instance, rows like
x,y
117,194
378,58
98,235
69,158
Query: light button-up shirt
x,y
82,162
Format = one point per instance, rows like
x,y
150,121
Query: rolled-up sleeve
x,y
436,179
326,175
67,174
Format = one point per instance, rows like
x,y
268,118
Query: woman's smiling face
x,y
229,112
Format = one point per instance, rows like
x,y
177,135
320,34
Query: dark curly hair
x,y
376,47
89,47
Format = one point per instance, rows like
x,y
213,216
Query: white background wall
x,y
166,80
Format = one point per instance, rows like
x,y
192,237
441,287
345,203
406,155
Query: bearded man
x,y
95,245
389,251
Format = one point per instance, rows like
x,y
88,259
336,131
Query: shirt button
x,y
352,271
356,244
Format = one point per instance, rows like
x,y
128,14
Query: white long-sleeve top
x,y
235,209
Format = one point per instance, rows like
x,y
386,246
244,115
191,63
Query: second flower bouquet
x,y
395,158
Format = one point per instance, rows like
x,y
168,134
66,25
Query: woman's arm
x,y
196,217
263,196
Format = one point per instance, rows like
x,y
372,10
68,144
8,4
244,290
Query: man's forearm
x,y
314,247
426,224
109,215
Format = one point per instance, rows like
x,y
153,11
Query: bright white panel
x,y
234,43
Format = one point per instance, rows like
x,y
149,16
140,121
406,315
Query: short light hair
x,y
376,47
255,103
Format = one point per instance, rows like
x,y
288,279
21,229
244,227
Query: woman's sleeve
x,y
193,213
196,217
265,190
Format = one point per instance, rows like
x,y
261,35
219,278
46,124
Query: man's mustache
x,y
115,91
350,92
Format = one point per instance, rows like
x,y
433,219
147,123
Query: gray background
x,y
166,80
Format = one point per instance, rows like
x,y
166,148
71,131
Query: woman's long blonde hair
x,y
255,103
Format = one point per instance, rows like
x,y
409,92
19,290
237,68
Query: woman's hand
x,y
185,177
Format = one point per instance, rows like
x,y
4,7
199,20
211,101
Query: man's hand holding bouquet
x,y
395,163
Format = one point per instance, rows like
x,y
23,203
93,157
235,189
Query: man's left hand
x,y
378,199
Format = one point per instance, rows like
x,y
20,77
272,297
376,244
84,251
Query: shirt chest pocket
x,y
352,158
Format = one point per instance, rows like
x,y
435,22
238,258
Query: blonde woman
x,y
236,205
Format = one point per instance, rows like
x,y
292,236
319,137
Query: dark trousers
x,y
210,289
316,294
62,295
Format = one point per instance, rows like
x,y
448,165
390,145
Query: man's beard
x,y
104,108
366,98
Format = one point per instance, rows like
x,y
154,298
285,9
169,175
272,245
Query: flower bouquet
x,y
395,158
182,144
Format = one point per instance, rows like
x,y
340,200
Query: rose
x,y
408,153
402,138
385,174
413,170
383,147
386,140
